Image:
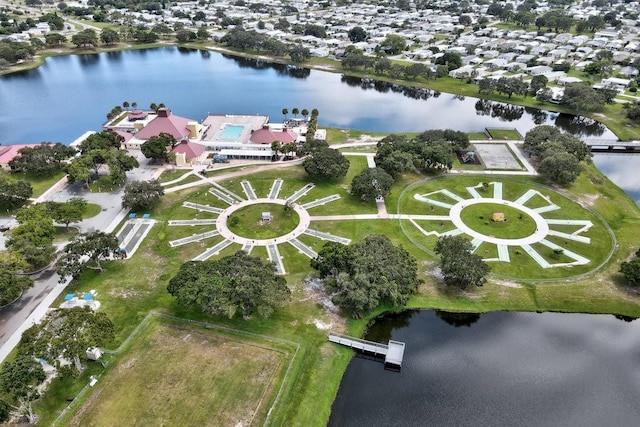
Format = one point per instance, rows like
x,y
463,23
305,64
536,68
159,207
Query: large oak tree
x,y
236,284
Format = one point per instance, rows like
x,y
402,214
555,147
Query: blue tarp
x,y
67,297
88,297
132,215
146,216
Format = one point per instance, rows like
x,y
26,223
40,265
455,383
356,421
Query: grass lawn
x,y
91,210
477,135
479,218
504,134
187,180
169,175
130,289
39,183
246,222
181,375
64,234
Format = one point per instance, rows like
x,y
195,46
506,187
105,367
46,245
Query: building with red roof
x,y
9,152
189,153
166,122
266,135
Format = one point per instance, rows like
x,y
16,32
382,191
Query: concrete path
x,y
275,189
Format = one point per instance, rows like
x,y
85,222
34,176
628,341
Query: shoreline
x,y
609,118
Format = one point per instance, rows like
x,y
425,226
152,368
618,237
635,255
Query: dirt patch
x,y
508,284
331,319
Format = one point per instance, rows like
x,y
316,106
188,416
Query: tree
x,y
452,60
12,283
361,276
486,86
459,266
87,251
393,44
396,163
33,237
84,38
109,37
295,112
326,163
185,35
20,379
582,98
537,83
357,35
14,193
235,284
299,53
372,183
631,270
67,212
202,33
156,147
54,39
285,111
311,145
464,20
560,167
544,95
142,195
67,333
44,159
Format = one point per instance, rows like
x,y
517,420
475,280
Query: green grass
x,y
64,234
156,380
91,210
522,266
170,175
130,289
479,218
246,222
187,180
39,183
504,134
477,135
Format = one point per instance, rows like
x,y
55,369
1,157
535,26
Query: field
x,y
176,375
130,289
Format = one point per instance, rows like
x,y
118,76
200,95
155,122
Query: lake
x,y
500,368
69,95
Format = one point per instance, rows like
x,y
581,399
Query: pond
x,y
499,368
69,95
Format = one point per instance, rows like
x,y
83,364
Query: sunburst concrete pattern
x,y
236,203
543,225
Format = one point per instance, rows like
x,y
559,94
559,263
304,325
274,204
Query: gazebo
x,y
265,218
499,217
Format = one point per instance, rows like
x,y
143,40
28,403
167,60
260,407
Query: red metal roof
x,y
190,149
9,152
166,122
267,136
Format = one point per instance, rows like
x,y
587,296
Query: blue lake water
x,y
497,369
69,95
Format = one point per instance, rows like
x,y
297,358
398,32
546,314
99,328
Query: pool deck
x,y
215,124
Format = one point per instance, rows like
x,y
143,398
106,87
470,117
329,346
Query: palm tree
x,y
125,105
284,113
276,146
295,112
315,112
305,112
134,105
153,106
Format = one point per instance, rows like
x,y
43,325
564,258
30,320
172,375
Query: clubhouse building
x,y
230,136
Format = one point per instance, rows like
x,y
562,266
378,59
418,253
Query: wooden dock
x,y
393,352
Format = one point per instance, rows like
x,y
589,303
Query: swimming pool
x,y
231,132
